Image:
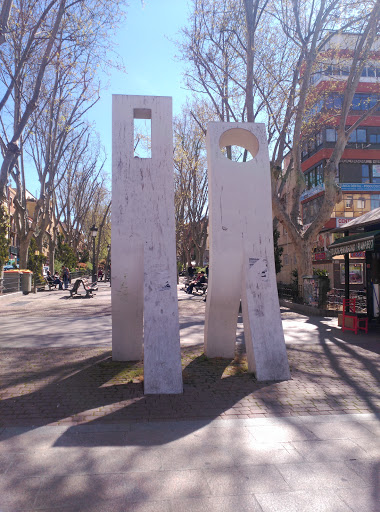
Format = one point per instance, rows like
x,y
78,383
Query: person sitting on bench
x,y
53,280
201,279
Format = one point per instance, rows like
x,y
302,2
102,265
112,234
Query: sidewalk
x,y
78,434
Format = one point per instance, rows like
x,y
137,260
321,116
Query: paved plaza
x,y
78,434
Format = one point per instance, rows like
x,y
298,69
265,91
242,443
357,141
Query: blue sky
x,y
144,43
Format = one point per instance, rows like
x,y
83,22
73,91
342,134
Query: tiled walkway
x,y
77,433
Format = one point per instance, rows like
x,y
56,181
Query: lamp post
x,y
93,231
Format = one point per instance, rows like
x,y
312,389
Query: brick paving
x,y
77,385
71,385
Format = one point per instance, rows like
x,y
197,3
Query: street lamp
x,y
93,231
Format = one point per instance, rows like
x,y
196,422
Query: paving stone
x,y
83,460
131,487
361,500
337,449
5,463
370,445
369,470
302,501
246,503
110,505
340,430
283,433
247,479
320,475
18,494
373,426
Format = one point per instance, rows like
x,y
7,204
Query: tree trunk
x,y
51,255
24,249
304,262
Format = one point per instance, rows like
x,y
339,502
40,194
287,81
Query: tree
x,y
310,39
4,17
278,46
13,79
48,83
191,186
35,260
4,241
65,255
277,251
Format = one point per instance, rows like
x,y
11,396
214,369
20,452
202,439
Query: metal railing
x,y
11,283
336,295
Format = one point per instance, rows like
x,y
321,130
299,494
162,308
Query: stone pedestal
x,y
241,252
144,291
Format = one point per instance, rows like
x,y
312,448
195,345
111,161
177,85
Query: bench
x,y
88,288
50,283
200,288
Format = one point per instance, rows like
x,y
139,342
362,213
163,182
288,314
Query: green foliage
x,y
65,255
294,285
35,261
84,257
4,241
277,251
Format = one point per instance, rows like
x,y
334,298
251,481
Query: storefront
x,y
361,241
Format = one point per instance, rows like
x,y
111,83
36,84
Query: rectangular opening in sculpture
x,y
142,132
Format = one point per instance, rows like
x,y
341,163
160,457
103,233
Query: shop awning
x,y
355,243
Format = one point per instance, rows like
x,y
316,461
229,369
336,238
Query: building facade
x,y
358,173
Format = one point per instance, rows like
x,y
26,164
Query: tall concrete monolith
x,y
144,284
241,252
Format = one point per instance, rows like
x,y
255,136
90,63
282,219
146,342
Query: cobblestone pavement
x,y
337,373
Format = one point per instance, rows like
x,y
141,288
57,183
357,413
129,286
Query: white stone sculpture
x,y
241,252
144,281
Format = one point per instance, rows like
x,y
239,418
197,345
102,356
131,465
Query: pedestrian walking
x,y
66,277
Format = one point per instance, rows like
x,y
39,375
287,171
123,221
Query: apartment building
x,y
358,174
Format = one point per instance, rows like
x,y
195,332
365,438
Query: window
x,y
345,70
364,71
349,202
375,201
319,139
319,174
361,135
371,71
330,135
360,203
338,101
374,138
334,100
375,173
363,101
286,259
355,273
365,173
309,179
